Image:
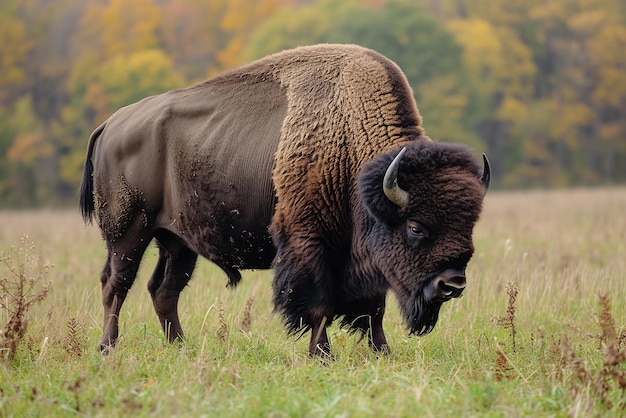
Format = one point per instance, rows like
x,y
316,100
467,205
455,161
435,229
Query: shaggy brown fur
x,y
266,165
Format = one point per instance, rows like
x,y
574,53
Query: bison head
x,y
423,202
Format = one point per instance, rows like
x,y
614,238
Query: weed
x,y
503,369
246,322
75,389
607,323
508,321
583,379
222,331
24,286
614,355
71,341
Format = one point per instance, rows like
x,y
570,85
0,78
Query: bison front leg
x,y
376,335
170,276
319,346
366,316
303,291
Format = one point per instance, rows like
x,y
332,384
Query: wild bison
x,y
312,161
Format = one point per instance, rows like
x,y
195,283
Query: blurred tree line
x,y
540,86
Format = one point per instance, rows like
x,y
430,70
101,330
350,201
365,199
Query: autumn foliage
x,y
540,86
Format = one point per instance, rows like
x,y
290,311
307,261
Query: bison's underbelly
x,y
247,250
233,233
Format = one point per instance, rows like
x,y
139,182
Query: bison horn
x,y
393,192
486,177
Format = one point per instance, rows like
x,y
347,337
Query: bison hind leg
x,y
172,273
123,259
366,316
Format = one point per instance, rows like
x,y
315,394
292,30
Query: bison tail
x,y
87,206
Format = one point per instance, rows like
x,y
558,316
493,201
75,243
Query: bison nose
x,y
450,284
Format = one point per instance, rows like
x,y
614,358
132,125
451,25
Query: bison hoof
x,y
105,349
382,349
321,351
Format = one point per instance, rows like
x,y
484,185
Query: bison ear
x,y
372,190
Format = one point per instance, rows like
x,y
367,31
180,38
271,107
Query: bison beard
x,y
424,311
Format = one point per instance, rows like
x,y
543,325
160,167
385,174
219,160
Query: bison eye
x,y
417,230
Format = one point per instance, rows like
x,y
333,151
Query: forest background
x,y
540,86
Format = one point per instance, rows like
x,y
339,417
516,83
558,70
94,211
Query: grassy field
x,y
540,330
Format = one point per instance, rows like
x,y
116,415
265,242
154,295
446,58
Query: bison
x,y
310,161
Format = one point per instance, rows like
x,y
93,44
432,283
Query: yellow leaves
x,y
442,106
610,88
478,38
12,75
535,149
495,56
71,166
28,147
29,144
127,78
231,56
607,42
612,132
513,110
240,19
546,10
191,35
123,26
14,49
519,66
444,89
576,115
587,23
611,91
96,98
235,18
482,50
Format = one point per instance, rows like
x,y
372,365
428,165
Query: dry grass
x,y
21,287
508,321
539,331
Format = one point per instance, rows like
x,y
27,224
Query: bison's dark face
x,y
422,206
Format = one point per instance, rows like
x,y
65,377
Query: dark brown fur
x,y
280,162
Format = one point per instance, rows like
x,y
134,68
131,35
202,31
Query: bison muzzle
x,y
312,162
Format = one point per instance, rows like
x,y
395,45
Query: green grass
x,y
561,250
